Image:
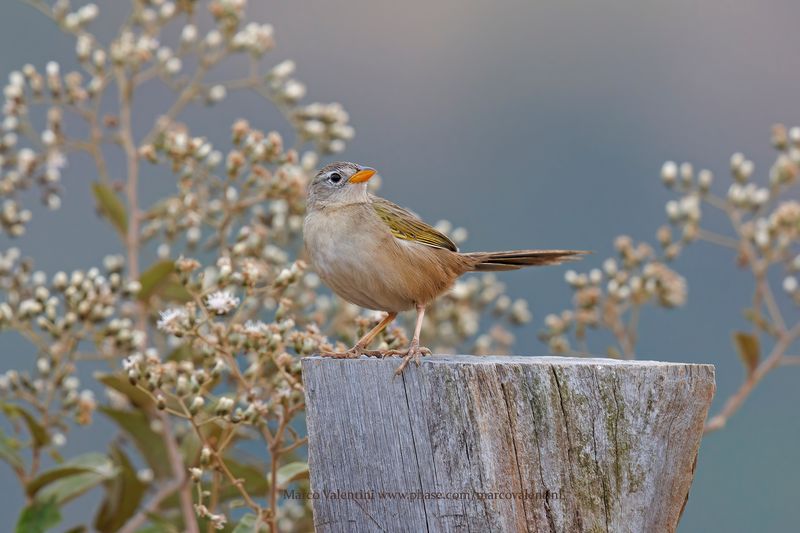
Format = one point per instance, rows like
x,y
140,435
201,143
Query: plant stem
x,y
132,244
736,400
132,159
179,471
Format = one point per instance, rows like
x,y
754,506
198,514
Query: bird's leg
x,y
362,344
414,350
367,339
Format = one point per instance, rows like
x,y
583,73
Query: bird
x,y
380,256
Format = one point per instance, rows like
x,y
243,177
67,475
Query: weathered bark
x,y
467,443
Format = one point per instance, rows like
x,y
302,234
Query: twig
x,y
41,7
132,185
716,238
736,400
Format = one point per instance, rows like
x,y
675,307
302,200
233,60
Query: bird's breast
x,y
355,254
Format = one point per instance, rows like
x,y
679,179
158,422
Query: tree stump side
x,y
466,443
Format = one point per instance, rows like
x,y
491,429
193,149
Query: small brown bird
x,y
380,256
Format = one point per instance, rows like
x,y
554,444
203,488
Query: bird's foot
x,y
413,353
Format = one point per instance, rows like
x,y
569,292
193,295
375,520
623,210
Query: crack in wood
x,y
514,447
416,457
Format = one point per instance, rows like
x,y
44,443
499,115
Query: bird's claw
x,y
414,353
353,353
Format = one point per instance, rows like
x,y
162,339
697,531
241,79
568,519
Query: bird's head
x,y
339,184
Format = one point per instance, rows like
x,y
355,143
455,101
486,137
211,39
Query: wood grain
x,y
467,443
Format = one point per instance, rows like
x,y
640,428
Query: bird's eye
x,y
335,177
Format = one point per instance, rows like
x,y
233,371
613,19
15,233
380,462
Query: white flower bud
x,y
746,169
760,197
196,405
336,146
167,10
213,38
762,238
173,65
687,172
43,366
790,284
610,266
736,194
736,161
189,33
88,12
294,90
314,127
133,287
704,179
217,93
52,68
224,406
205,456
283,69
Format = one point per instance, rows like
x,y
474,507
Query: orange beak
x,y
362,175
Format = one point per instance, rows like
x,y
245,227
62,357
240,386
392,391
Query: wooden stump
x,y
466,443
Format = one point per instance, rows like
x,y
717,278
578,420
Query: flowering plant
x,y
202,339
765,225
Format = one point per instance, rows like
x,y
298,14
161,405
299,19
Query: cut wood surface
x,y
464,443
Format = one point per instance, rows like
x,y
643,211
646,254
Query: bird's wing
x,y
407,226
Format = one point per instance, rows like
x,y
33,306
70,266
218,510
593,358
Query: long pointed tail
x,y
516,259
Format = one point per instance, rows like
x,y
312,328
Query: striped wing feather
x,y
407,226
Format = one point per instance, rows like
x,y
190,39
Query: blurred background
x,y
532,124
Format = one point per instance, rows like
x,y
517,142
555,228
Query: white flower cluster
x,y
22,167
255,38
221,302
74,21
603,296
326,125
778,232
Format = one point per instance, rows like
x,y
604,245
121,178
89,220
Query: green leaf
x,y
69,488
161,279
253,475
72,478
9,451
248,524
38,517
137,397
124,493
749,350
174,291
148,442
291,471
154,277
53,475
111,207
38,432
